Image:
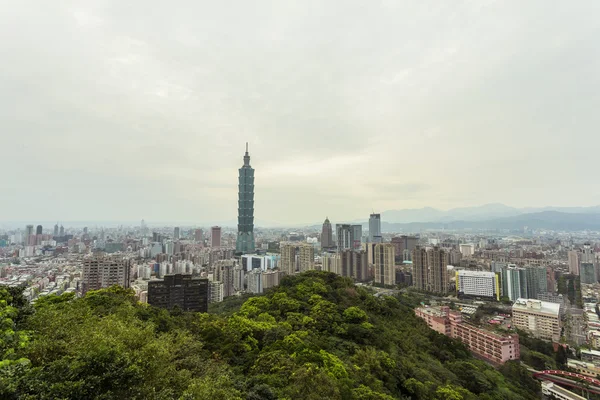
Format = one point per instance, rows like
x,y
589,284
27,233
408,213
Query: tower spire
x,y
247,156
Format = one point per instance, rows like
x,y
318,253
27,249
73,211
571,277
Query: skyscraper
x,y
420,273
198,235
385,272
327,235
28,231
437,261
573,262
176,233
348,237
56,230
375,228
215,236
38,230
62,231
245,237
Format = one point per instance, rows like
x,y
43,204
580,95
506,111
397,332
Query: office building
x,y
404,247
38,230
514,282
587,273
100,271
573,260
357,236
288,258
176,233
490,346
375,228
537,281
61,232
385,272
538,317
306,257
179,291
348,237
28,231
198,237
245,236
437,263
478,284
587,254
327,235
215,236
55,230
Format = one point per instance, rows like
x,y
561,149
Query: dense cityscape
x,y
484,289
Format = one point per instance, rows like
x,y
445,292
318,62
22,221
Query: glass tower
x,y
245,237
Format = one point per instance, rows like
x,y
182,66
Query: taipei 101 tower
x,y
245,237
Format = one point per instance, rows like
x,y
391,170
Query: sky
x,y
123,110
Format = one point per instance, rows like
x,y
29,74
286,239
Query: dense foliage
x,y
316,336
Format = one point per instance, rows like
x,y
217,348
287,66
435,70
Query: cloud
x,y
129,114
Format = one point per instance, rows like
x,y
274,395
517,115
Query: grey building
x,y
587,273
375,228
327,235
245,237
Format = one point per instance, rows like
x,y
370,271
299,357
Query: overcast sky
x,y
123,110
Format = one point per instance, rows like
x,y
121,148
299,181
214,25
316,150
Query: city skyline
x,y
422,104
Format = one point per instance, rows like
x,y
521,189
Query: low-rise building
x,y
490,346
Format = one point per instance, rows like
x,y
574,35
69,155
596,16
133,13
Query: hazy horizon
x,y
123,111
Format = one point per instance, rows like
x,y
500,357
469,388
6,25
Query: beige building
x,y
573,262
540,318
420,272
437,262
288,258
306,257
331,263
385,270
104,271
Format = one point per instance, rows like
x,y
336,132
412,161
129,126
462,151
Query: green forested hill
x,y
316,336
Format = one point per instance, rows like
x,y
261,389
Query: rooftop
x,y
536,305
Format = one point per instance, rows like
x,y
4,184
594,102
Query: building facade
x,y
215,236
245,237
375,228
478,284
288,258
181,291
437,262
104,271
538,317
306,257
385,271
327,235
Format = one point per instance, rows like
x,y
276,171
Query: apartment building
x,y
540,318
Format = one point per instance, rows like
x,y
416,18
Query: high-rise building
x,y
104,271
514,282
588,273
385,270
176,233
245,237
354,264
348,237
573,262
306,257
55,230
38,230
61,231
404,247
288,258
215,236
331,263
181,291
327,235
223,271
420,270
28,231
537,281
215,292
198,235
255,281
538,317
375,228
437,262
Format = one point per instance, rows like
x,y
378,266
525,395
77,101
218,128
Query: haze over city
x,y
128,110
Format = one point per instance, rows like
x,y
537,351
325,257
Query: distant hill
x,y
549,220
